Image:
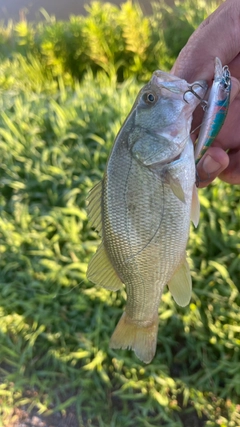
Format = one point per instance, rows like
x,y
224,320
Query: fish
x,y
216,109
142,209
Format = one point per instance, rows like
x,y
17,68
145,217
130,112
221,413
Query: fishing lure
x,y
216,109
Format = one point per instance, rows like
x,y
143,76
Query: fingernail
x,y
210,166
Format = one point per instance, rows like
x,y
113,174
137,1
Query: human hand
x,y
218,35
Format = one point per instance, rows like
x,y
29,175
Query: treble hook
x,y
193,92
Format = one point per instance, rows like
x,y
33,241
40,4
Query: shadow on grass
x,y
56,359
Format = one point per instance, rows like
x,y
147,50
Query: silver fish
x,y
142,209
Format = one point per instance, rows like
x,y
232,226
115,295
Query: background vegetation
x,y
66,88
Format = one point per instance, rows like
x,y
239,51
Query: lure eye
x,y
150,98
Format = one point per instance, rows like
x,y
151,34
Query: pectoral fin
x,y
180,285
195,208
101,272
176,187
94,207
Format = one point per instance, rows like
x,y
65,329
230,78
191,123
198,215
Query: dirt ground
x,y
21,418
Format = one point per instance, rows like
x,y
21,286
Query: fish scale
x,y
143,208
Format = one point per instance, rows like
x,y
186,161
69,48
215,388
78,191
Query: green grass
x,y
120,41
55,136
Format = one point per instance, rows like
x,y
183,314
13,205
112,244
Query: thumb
x,y
211,165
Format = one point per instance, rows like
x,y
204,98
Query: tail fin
x,y
141,339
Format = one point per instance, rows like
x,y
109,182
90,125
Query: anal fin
x,y
180,285
101,272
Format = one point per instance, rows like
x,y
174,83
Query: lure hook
x,y
193,92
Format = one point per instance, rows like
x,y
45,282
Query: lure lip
x,y
218,72
191,94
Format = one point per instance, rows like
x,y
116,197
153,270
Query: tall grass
x,y
58,119
121,41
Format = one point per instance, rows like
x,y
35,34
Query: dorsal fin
x,y
101,272
94,208
180,285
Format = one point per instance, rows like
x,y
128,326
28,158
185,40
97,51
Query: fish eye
x,y
149,98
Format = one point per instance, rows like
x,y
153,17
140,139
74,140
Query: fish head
x,y
163,114
172,96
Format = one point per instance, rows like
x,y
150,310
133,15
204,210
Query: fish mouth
x,y
178,86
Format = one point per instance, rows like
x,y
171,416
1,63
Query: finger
x,y
234,66
232,173
197,58
235,89
211,165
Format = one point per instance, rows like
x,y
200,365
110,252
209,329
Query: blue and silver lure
x,y
215,109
